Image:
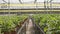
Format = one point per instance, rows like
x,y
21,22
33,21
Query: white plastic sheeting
x,y
26,1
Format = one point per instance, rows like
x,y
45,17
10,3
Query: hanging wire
x,y
9,6
36,5
4,1
22,2
20,6
45,5
35,1
51,5
3,5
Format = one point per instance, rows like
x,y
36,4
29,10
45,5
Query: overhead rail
x,y
28,6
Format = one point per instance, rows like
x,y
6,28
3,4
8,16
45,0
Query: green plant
x,y
50,23
8,23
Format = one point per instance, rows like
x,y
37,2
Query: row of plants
x,y
50,23
8,23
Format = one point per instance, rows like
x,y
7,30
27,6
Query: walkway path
x,y
29,27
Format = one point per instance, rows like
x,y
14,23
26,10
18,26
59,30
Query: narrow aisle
x,y
30,28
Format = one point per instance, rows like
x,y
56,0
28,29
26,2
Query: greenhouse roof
x,y
17,1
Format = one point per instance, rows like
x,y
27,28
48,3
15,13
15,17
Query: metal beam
x,y
42,12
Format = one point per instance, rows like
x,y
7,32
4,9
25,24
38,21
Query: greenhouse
x,y
29,16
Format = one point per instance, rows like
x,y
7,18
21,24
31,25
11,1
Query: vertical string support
x,y
9,7
20,3
45,5
51,6
36,5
